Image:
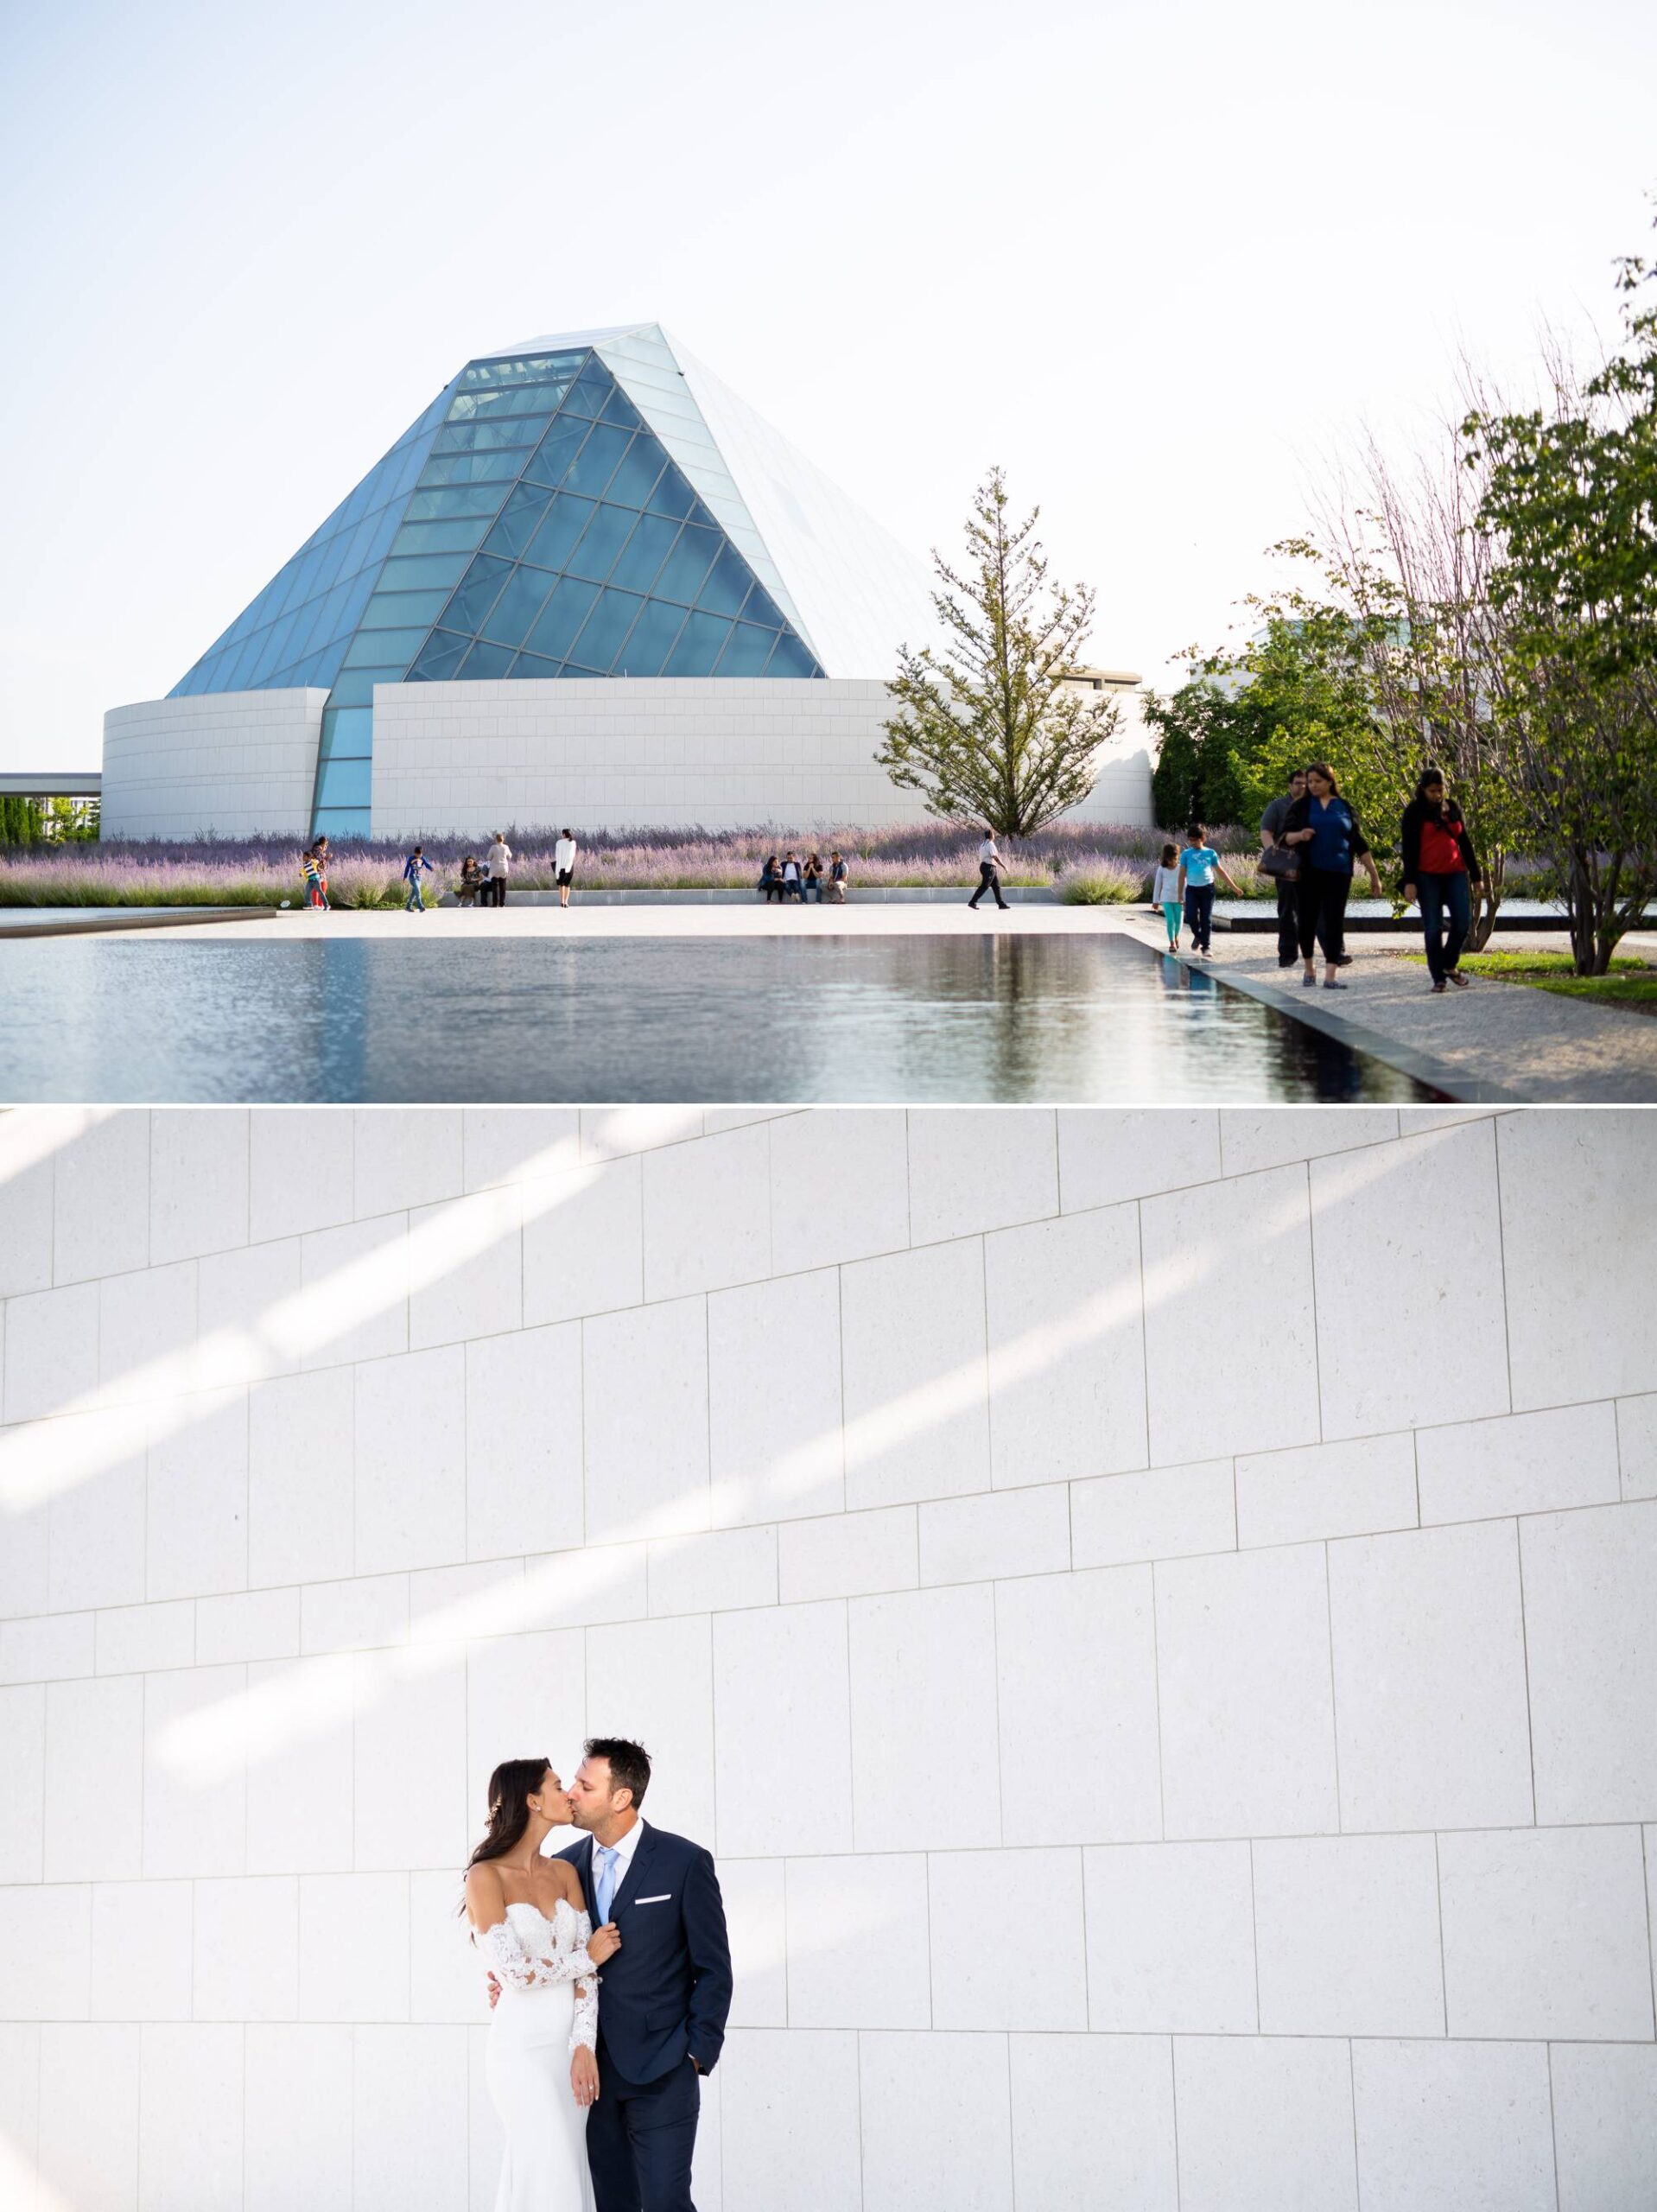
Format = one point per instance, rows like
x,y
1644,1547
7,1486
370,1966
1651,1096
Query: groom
x,y
662,1998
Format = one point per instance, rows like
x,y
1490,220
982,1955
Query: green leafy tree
x,y
985,729
1231,736
1301,696
1192,727
1407,561
1570,500
20,822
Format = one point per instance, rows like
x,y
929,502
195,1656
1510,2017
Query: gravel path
x,y
1542,1046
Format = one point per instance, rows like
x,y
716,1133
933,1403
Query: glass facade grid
x,y
651,638
641,557
746,651
484,661
508,621
554,629
439,658
597,462
699,645
560,531
529,522
602,540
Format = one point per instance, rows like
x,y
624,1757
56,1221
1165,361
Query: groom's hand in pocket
x,y
584,2076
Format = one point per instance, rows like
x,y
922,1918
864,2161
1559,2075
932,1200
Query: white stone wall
x,y
466,759
228,764
1153,1610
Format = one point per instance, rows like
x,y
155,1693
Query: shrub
x,y
1102,882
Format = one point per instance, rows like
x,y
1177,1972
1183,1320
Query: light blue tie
x,y
605,1888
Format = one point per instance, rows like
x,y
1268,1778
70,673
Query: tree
x,y
1232,735
1570,500
1408,567
985,729
20,822
1192,727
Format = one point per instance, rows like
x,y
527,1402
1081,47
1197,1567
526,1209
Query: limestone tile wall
x,y
711,752
228,764
1154,1612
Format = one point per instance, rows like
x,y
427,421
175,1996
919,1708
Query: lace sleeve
x,y
584,2033
515,1967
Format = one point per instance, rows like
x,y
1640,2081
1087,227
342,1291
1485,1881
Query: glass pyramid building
x,y
593,506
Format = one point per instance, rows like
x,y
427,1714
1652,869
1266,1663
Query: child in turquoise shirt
x,y
1199,866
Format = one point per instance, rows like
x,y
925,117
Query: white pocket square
x,y
666,1898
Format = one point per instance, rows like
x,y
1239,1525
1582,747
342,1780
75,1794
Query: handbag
x,y
1279,861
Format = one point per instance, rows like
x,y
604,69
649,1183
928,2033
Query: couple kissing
x,y
609,1982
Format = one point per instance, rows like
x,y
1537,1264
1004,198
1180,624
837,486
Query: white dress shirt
x,y
563,855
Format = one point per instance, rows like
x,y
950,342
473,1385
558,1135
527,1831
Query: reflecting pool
x,y
1091,1020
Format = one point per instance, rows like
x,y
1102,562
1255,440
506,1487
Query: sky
x,y
1162,263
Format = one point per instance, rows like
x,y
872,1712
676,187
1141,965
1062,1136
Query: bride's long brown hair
x,y
510,1788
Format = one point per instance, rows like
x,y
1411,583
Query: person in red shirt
x,y
1440,867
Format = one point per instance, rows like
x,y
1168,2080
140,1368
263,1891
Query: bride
x,y
529,1925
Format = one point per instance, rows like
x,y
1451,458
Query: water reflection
x,y
1099,1019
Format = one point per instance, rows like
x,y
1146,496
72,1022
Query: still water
x,y
912,1020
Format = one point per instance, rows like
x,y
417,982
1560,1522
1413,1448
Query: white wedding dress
x,y
549,2005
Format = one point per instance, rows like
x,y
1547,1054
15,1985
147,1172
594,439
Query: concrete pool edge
x,y
172,918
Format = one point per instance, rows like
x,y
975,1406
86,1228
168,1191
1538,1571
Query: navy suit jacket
x,y
666,1992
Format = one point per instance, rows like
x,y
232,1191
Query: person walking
x,y
414,904
1165,892
324,852
1199,863
564,864
311,868
1285,870
1440,866
1326,829
989,870
496,861
837,874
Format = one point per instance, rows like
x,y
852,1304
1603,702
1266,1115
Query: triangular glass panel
x,y
566,518
438,658
619,408
556,450
519,520
476,595
672,496
698,647
590,392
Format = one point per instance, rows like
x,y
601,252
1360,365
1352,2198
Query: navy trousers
x,y
1288,921
1444,897
1199,913
641,2138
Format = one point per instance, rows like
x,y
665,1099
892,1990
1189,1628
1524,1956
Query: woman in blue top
x,y
1199,866
1325,829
